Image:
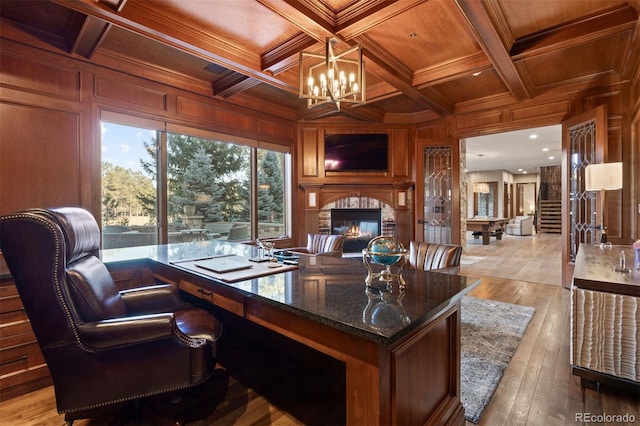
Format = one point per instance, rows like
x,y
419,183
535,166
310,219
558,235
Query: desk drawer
x,y
22,366
19,353
229,303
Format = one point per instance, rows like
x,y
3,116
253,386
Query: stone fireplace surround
x,y
395,201
375,210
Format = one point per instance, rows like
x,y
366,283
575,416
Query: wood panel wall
x,y
50,108
50,137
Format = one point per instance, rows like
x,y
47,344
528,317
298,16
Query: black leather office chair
x,y
102,346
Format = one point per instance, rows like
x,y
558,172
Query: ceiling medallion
x,y
337,78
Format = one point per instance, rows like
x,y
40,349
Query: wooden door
x,y
438,191
584,142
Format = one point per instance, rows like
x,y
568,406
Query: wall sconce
x,y
312,200
603,177
402,199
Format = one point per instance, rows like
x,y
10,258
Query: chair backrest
x,y
52,255
325,244
428,256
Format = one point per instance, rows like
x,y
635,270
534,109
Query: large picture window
x,y
195,185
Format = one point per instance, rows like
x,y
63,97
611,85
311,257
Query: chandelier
x,y
481,187
335,79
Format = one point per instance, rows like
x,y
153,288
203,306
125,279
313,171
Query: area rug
x,y
491,333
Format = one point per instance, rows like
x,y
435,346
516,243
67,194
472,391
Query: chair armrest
x,y
114,333
153,299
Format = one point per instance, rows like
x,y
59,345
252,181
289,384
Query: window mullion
x,y
254,193
161,182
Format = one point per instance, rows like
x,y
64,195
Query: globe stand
x,y
375,253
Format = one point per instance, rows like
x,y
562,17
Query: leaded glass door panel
x,y
437,202
584,139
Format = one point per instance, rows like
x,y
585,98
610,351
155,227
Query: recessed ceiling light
x,y
524,173
552,158
519,170
545,149
533,136
475,74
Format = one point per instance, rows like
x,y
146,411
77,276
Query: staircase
x,y
550,220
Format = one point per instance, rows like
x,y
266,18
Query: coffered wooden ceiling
x,y
420,56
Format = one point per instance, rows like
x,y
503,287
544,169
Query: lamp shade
x,y
481,187
607,176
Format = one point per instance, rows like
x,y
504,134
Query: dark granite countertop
x,y
328,290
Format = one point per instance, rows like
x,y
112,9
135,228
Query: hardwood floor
x,y
533,258
256,385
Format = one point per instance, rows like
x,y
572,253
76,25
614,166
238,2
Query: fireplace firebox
x,y
357,227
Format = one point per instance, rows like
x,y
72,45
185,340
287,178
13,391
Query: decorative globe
x,y
385,250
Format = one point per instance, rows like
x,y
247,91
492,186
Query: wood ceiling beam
x,y
233,83
492,41
359,12
310,20
91,35
144,19
451,70
613,21
365,15
279,59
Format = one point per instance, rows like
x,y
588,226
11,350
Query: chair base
x,y
132,413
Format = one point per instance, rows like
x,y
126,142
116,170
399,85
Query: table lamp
x,y
603,177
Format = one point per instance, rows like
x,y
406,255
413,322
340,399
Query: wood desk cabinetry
x,y
605,315
22,366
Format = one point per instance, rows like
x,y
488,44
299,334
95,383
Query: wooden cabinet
x,y
22,366
605,308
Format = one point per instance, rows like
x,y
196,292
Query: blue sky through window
x,y
123,145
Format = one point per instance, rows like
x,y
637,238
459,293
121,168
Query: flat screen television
x,y
356,152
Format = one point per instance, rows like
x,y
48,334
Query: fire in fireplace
x,y
357,227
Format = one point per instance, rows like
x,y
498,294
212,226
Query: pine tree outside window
x,y
217,186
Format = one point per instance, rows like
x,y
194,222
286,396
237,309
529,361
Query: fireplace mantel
x,y
397,195
394,194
